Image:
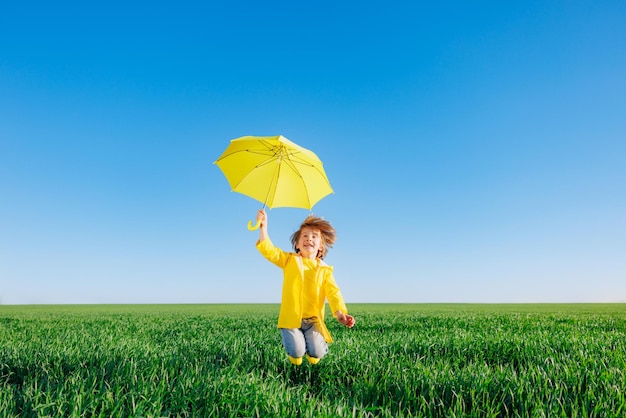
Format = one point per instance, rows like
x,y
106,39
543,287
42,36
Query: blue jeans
x,y
306,339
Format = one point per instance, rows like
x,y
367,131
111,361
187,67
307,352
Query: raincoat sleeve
x,y
272,253
333,295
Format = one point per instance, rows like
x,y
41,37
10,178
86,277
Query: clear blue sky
x,y
477,149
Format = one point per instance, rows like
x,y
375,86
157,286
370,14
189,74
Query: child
x,y
307,283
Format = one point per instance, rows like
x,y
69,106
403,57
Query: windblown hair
x,y
327,233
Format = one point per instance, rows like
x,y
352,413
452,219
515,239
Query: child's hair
x,y
327,233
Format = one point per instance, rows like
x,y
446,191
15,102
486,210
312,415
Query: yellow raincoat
x,y
291,307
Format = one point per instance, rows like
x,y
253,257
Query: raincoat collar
x,y
321,263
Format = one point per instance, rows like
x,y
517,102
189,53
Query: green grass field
x,y
399,360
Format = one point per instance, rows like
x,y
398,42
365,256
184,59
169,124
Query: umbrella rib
x,y
269,190
301,161
262,163
273,156
251,172
268,154
292,164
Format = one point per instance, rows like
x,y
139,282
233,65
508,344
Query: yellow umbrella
x,y
274,171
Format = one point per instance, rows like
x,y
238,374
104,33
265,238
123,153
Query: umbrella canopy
x,y
274,171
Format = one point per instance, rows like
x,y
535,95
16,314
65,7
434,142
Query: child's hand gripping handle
x,y
260,217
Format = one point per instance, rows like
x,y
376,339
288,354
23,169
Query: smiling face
x,y
310,242
320,234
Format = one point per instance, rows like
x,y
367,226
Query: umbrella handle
x,y
253,227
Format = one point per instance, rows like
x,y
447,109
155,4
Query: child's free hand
x,y
345,319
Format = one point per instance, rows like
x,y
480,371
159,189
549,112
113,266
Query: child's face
x,y
310,242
